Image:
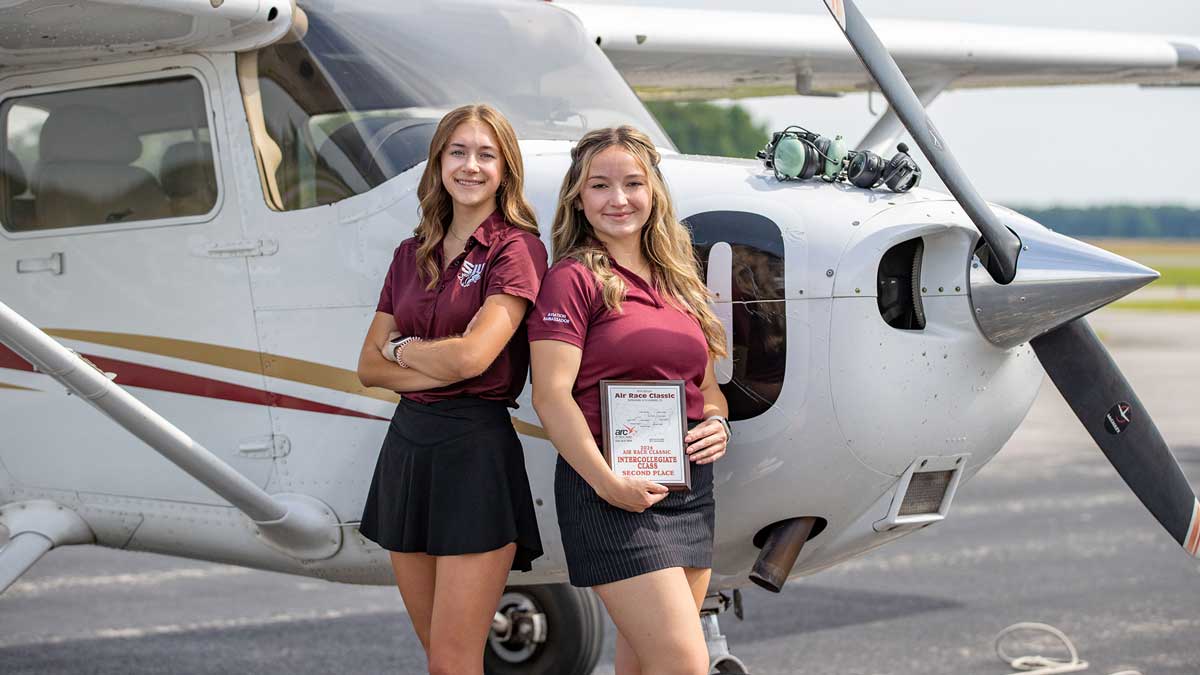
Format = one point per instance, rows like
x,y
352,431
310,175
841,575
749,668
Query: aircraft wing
x,y
668,53
42,32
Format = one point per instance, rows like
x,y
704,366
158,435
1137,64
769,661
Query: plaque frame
x,y
606,426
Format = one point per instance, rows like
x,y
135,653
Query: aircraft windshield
x,y
355,101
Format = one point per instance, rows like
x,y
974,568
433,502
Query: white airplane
x,y
200,198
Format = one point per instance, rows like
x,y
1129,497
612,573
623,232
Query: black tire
x,y
574,633
729,667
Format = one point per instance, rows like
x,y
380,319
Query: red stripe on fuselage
x,y
159,379
10,360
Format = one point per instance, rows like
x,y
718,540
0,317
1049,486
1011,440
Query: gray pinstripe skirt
x,y
604,543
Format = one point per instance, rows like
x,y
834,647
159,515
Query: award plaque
x,y
644,422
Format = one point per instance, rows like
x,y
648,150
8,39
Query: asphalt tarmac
x,y
1046,532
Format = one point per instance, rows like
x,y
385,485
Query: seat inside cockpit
x,y
104,155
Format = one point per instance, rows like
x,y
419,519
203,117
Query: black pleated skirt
x,y
604,543
451,480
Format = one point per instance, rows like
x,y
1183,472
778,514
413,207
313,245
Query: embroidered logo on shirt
x,y
470,273
556,317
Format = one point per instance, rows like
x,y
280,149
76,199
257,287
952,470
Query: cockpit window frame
x,y
93,77
283,125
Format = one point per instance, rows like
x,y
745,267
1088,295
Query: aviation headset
x,y
867,170
799,154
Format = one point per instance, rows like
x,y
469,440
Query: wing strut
x,y
297,525
34,528
888,129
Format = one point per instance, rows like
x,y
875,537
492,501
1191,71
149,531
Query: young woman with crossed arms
x,y
450,498
624,301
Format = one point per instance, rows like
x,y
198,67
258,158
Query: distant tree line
x,y
730,131
710,129
1173,222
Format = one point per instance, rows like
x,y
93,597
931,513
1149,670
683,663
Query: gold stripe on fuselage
x,y
249,361
245,360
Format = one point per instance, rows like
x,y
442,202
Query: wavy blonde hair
x,y
437,209
666,243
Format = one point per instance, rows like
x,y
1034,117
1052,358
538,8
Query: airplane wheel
x,y
730,665
555,629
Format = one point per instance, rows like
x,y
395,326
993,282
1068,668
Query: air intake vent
x,y
925,493
900,285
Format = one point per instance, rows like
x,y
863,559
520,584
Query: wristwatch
x,y
398,346
725,423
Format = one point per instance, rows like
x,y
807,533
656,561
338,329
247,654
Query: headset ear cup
x,y
865,169
855,168
790,157
822,145
835,156
902,173
810,165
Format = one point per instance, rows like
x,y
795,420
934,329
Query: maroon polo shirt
x,y
648,340
498,258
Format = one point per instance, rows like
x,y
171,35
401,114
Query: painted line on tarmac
x,y
1091,546
138,579
1062,503
137,632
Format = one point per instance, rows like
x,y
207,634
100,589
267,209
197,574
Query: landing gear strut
x,y
720,660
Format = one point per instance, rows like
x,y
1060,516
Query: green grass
x,y
1183,305
1178,276
1161,254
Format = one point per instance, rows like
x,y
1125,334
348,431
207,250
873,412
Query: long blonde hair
x,y
665,242
437,209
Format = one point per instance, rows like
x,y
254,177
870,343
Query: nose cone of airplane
x,y
1059,279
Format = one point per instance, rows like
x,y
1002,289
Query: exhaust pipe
x,y
781,547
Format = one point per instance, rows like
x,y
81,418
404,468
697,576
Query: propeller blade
x,y
1004,245
1102,399
1072,355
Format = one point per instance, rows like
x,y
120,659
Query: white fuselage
x,y
243,327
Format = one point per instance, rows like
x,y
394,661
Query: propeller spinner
x,y
1069,350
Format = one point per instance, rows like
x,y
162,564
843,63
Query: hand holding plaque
x,y
644,422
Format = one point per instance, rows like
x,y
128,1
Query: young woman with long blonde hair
x,y
624,301
450,498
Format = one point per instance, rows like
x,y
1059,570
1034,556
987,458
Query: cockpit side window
x,y
120,153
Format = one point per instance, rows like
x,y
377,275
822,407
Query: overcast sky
x,y
1074,146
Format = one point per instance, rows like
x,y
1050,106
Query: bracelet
x,y
389,350
398,350
724,422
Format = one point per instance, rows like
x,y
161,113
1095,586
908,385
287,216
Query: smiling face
x,y
616,197
472,167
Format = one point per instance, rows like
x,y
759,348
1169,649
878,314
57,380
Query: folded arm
x,y
376,371
468,355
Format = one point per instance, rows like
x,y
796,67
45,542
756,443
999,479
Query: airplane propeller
x,y
1072,355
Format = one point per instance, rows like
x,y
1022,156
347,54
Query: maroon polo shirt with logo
x,y
649,339
498,258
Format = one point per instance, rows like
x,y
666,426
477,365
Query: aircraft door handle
x,y
237,249
268,447
52,264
